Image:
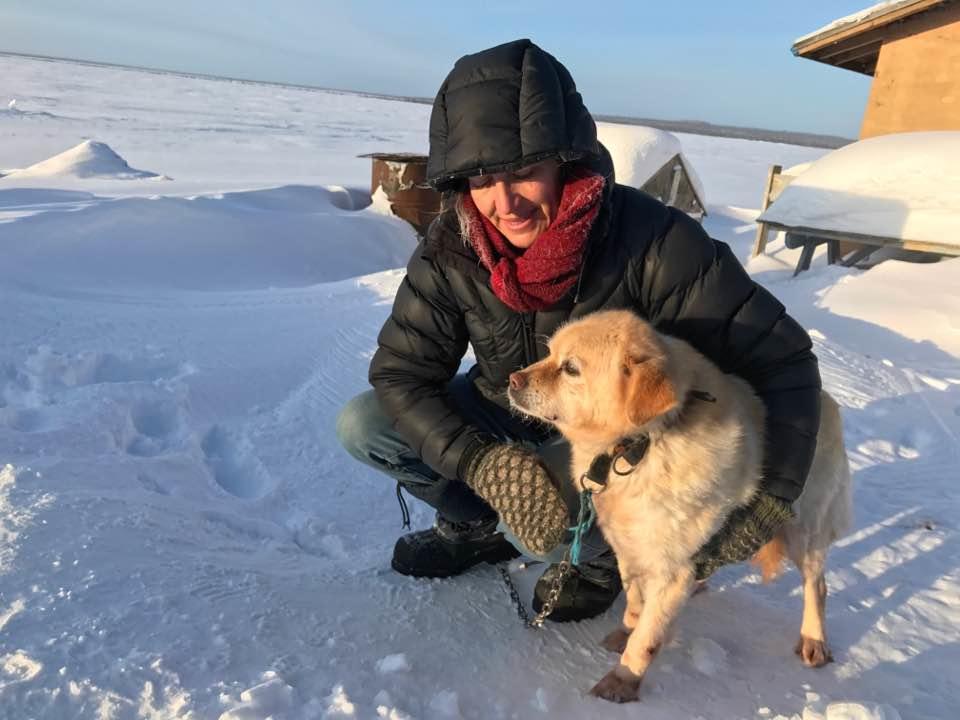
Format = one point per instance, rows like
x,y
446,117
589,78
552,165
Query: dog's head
x,y
605,377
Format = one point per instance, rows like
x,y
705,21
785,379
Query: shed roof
x,y
853,42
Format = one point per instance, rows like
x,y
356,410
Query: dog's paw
x,y
616,641
617,689
813,653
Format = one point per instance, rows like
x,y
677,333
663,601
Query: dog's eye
x,y
570,368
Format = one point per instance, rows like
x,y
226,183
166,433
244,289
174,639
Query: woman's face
x,y
521,204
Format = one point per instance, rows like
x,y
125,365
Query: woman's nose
x,y
505,198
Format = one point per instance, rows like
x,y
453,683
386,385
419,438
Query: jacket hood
x,y
503,108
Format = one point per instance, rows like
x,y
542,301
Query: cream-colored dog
x,y
609,377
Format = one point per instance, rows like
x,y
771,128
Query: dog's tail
x,y
770,558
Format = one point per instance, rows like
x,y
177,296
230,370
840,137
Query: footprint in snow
x,y
234,466
27,420
48,369
157,426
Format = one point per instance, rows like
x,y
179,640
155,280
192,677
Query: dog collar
x,y
630,449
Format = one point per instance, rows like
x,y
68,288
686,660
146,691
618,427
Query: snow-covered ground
x,y
181,536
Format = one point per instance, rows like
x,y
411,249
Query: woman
x,y
536,232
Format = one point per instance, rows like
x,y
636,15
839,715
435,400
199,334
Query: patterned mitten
x,y
513,480
747,530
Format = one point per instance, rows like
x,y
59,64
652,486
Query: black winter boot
x,y
449,548
589,589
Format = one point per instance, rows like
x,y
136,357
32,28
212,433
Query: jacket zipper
x,y
583,269
529,352
608,221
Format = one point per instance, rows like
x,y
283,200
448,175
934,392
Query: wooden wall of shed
x,y
917,82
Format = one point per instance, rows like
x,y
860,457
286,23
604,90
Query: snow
x,y
904,186
888,296
208,242
182,537
393,663
638,152
707,657
880,8
89,159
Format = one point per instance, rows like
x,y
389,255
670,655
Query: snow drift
x,y
89,159
280,237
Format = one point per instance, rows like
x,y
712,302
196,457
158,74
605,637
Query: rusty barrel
x,y
403,179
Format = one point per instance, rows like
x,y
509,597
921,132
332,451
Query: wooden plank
x,y
833,251
875,37
760,242
856,55
806,255
780,182
862,253
918,79
850,31
906,244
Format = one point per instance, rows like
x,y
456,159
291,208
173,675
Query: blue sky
x,y
722,62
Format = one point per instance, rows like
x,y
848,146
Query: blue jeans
x,y
368,435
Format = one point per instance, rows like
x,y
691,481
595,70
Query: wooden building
x,y
912,50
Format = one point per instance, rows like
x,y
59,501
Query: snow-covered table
x,y
900,190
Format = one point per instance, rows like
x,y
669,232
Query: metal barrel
x,y
403,179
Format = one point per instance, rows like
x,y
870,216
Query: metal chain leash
x,y
563,570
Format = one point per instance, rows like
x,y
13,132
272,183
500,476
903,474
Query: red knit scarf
x,y
536,278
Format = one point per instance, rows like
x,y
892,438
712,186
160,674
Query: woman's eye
x,y
570,369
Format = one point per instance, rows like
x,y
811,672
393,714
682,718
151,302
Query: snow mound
x,y
638,152
89,159
904,186
291,236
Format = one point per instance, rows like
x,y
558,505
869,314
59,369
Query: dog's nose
x,y
517,381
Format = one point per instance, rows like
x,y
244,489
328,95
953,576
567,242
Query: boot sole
x,y
507,553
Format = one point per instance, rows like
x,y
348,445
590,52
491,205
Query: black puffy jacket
x,y
640,255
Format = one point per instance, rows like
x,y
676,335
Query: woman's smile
x,y
520,204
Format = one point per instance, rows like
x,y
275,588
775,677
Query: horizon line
x,y
695,127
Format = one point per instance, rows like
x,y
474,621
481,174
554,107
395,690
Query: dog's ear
x,y
649,392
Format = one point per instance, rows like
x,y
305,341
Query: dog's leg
x,y
812,646
663,599
616,641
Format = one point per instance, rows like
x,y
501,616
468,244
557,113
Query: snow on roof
x,y
88,159
871,12
904,186
638,152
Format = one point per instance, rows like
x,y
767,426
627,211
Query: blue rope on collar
x,y
585,519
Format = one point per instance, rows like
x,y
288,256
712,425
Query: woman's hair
x,y
452,201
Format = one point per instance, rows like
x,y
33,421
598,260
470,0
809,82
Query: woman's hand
x,y
513,480
747,530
